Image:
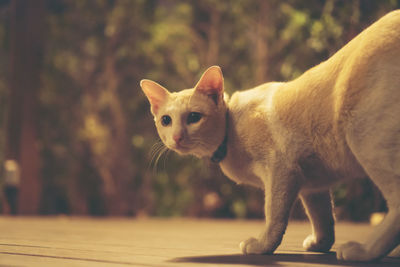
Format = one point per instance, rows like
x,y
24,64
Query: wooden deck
x,y
69,241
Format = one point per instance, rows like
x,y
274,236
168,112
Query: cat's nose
x,y
178,138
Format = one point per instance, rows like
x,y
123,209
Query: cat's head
x,y
192,121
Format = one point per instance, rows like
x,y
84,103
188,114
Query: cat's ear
x,y
211,83
156,94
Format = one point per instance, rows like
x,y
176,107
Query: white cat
x,y
339,120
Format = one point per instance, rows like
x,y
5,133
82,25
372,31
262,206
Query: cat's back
x,y
255,99
381,38
370,74
373,53
384,34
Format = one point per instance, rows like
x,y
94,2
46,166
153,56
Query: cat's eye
x,y
166,120
194,117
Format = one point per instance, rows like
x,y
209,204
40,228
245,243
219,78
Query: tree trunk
x,y
26,49
261,44
110,147
213,38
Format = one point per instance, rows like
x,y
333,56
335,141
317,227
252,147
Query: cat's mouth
x,y
180,149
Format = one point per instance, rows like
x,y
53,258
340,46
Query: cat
x,y
339,120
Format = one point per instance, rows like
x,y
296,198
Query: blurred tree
x,y
26,50
95,130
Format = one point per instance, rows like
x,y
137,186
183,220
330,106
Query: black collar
x,y
221,151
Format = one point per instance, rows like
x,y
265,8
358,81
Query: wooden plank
x,y
69,241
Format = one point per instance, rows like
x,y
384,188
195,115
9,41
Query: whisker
x,y
166,157
156,152
161,152
156,147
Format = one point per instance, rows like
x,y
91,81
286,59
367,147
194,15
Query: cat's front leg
x,y
318,207
280,193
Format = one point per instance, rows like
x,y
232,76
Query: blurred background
x,y
76,133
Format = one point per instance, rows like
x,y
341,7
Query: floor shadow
x,y
280,259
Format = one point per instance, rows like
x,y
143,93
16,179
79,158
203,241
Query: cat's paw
x,y
252,246
395,252
312,244
353,251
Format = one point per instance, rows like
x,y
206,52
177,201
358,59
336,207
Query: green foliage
x,y
95,122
